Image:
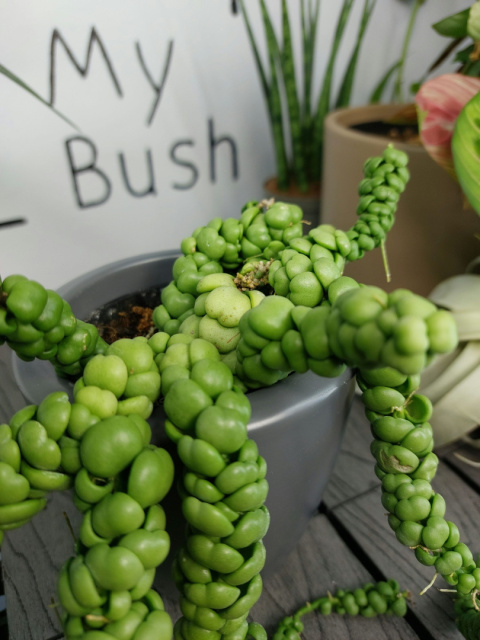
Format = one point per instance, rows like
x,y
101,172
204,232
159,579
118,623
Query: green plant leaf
x,y
309,25
270,89
256,55
323,104
289,94
290,85
463,55
454,26
345,92
466,151
473,69
18,81
473,24
378,92
275,98
468,66
398,87
309,37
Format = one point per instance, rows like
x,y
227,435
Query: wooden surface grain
x,y
346,544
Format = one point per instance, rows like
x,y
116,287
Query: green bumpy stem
x,y
355,326
406,466
223,490
389,339
300,267
305,270
468,620
99,444
37,323
264,229
368,601
31,451
386,177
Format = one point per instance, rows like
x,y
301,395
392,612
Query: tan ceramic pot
x,y
434,234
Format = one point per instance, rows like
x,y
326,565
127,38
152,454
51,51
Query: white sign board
x,y
171,124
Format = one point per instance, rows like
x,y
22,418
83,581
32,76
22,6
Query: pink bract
x,y
439,101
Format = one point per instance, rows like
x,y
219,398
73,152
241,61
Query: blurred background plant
x,y
396,73
462,29
296,112
441,99
462,49
295,115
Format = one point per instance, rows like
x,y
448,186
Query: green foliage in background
x,y
295,116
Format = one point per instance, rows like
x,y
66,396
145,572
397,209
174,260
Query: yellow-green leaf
x,y
466,151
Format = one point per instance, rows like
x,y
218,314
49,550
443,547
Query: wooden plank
x,y
364,519
321,563
32,557
11,399
468,471
353,473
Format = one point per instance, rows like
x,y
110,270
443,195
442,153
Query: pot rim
x,y
292,195
340,121
287,392
76,286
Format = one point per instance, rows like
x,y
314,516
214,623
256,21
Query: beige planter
x,y
309,202
434,234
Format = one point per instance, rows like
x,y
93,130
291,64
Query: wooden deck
x,y
346,544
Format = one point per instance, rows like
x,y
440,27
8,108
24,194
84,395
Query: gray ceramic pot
x,y
298,423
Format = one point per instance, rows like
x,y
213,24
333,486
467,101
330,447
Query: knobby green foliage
x,y
369,601
219,335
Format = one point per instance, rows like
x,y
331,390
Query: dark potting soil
x,y
128,316
399,132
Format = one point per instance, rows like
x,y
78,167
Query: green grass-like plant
x,y
296,118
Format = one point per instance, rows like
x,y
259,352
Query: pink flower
x,y
439,101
